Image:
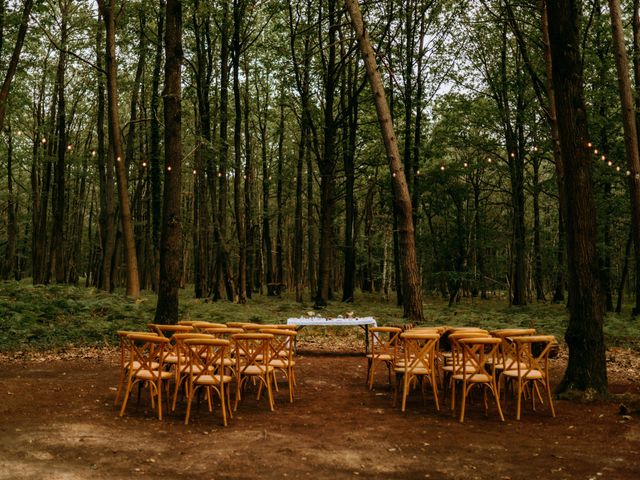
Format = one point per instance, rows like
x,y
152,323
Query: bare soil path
x,y
58,421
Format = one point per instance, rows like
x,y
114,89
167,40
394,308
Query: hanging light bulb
x,y
194,172
44,140
69,147
219,174
609,163
93,153
595,151
169,168
144,164
618,168
118,159
442,168
589,144
489,160
465,164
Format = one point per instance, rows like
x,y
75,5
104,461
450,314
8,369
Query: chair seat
x,y
187,369
171,358
212,379
153,374
135,365
527,374
474,378
255,369
282,363
414,371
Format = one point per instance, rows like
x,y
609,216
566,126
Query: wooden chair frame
x,y
383,342
206,370
419,360
477,353
252,355
282,356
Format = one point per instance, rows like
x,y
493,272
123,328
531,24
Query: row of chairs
x,y
515,360
205,357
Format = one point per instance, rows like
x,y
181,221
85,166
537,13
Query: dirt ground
x,y
58,421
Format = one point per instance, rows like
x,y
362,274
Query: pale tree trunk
x,y
586,369
630,134
410,273
133,283
171,236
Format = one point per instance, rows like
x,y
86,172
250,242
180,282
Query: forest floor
x,y
58,421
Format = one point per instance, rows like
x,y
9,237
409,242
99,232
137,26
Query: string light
x,y
219,174
628,173
603,157
618,168
269,177
93,153
194,172
489,160
535,148
465,164
609,163
442,168
44,140
118,159
595,151
589,144
513,155
169,168
69,147
144,164
393,174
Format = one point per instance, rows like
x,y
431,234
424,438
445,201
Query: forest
x,y
248,130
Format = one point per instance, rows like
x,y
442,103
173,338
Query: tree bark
x,y
410,273
13,61
586,369
630,134
133,283
171,237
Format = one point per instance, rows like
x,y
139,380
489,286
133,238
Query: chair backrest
x,y
477,353
420,350
202,325
527,358
507,350
169,330
255,327
206,357
147,352
236,324
251,349
282,343
223,332
384,341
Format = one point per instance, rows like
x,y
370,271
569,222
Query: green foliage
x,y
55,316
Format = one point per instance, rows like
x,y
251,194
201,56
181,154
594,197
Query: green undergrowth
x,y
58,316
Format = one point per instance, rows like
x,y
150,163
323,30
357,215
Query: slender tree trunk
x,y
280,201
248,183
171,237
586,369
58,227
155,153
13,61
630,134
410,273
10,267
625,271
133,283
537,247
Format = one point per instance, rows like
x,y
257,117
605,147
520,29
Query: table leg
x,y
366,339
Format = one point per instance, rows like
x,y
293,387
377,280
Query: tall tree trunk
x,y
105,177
349,153
410,273
115,136
266,184
171,237
327,165
58,227
537,247
280,201
238,11
630,134
13,61
10,267
248,183
223,278
625,271
586,369
154,151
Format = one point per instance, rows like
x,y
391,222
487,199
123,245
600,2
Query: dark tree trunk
x,y
630,134
58,228
248,184
280,201
154,150
327,164
10,265
537,247
586,369
133,283
171,237
410,273
625,271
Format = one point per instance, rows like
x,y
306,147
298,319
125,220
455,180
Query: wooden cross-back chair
x,y
181,351
477,353
282,356
253,354
531,369
205,369
125,362
201,325
383,342
146,354
506,357
419,362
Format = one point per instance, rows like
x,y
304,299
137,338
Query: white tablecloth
x,y
319,321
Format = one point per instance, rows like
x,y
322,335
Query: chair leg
x,y
125,399
434,388
465,392
222,403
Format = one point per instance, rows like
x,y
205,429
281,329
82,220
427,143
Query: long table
x,y
362,322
